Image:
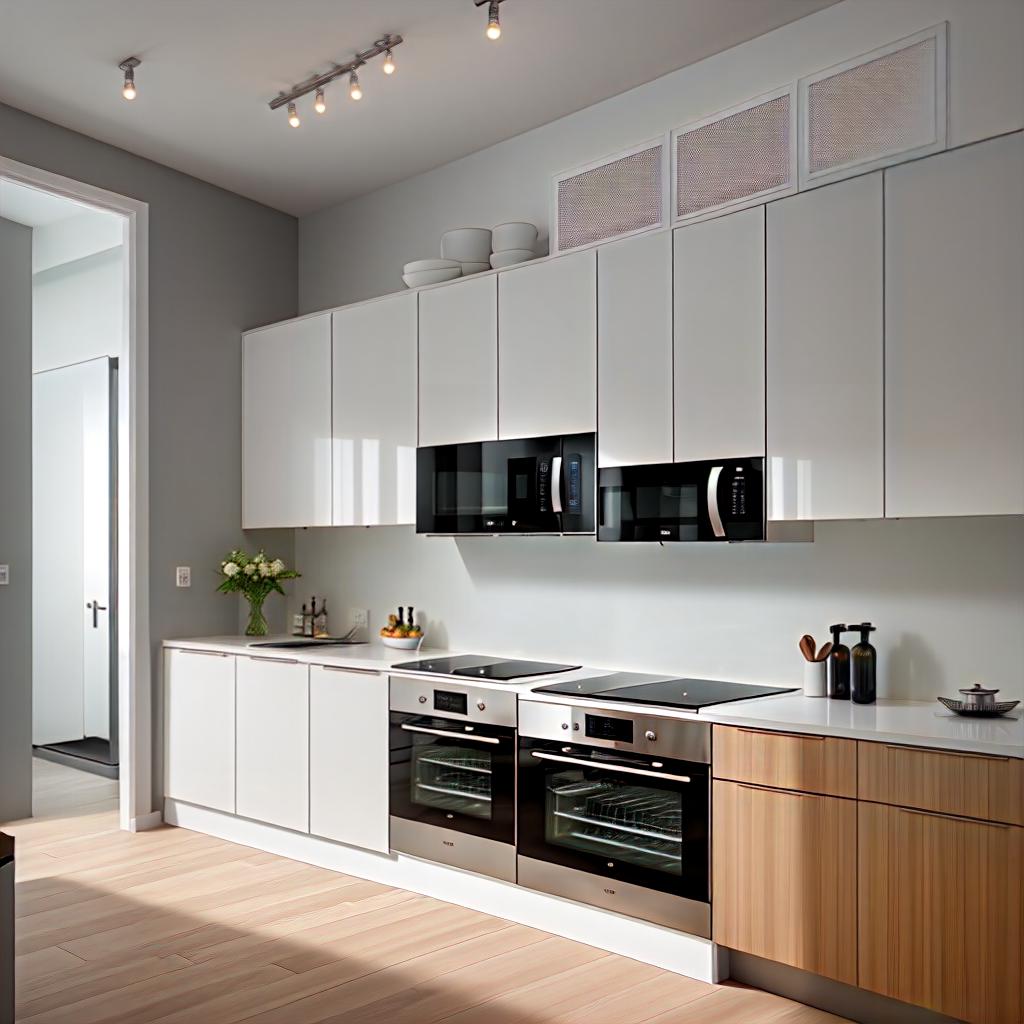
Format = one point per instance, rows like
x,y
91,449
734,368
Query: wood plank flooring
x,y
174,926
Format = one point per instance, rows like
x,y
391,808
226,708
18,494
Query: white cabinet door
x,y
458,362
348,757
634,351
199,728
286,425
954,343
824,353
719,338
375,413
547,347
272,723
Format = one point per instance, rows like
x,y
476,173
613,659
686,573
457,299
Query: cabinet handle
x,y
784,792
341,668
206,654
953,817
788,735
279,661
948,753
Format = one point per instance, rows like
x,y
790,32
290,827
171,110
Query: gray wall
x,y
356,250
16,520
218,264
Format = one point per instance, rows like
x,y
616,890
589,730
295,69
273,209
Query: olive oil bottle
x,y
863,660
839,665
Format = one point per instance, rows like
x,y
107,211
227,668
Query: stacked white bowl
x,y
471,247
513,243
421,272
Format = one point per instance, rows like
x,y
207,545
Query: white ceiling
x,y
209,68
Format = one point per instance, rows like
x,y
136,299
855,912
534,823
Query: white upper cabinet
x,y
458,362
825,353
634,351
547,347
272,737
374,372
719,338
286,424
348,757
955,333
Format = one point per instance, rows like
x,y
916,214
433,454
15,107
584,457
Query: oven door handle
x,y
609,767
451,735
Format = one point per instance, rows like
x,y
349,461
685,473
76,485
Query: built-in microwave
x,y
530,485
720,500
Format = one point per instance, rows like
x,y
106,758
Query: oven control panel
x,y
420,695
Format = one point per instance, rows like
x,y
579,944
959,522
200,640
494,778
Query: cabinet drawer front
x,y
971,785
941,912
785,877
816,764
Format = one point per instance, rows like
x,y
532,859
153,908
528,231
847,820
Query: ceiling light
x,y
354,89
319,104
493,21
389,63
293,116
128,66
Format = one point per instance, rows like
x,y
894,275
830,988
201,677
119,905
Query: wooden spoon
x,y
807,647
826,650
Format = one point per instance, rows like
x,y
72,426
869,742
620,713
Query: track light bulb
x,y
320,104
128,66
493,21
389,63
353,87
293,116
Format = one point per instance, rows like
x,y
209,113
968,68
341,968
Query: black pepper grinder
x,y
863,660
839,665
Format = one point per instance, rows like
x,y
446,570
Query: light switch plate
x,y
183,576
359,617
5,575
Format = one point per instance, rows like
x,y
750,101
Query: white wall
x,y
356,250
75,237
947,597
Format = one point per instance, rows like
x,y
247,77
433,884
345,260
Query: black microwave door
x,y
461,488
735,500
575,484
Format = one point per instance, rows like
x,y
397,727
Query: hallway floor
x,y
175,926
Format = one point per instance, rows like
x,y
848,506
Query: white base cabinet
x,y
199,728
348,757
954,342
272,709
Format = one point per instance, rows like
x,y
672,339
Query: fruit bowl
x,y
402,643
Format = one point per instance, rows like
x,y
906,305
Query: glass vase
x,y
257,624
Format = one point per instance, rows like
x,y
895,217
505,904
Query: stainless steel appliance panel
x,y
454,849
429,695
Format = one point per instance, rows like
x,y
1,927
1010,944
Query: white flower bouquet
x,y
254,578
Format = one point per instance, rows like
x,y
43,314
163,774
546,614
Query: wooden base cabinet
x,y
785,877
941,912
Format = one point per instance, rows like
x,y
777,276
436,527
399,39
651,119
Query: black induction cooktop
x,y
660,691
480,666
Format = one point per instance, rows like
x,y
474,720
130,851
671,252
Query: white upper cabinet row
x,y
866,337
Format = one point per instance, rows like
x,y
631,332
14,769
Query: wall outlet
x,y
183,576
359,617
5,575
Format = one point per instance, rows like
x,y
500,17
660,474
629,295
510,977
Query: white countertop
x,y
912,723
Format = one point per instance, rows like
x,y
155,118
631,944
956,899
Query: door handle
x,y
617,768
451,735
556,484
96,609
713,514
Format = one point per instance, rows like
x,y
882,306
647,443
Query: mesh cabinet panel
x,y
735,157
606,201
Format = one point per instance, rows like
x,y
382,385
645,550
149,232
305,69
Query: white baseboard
x,y
145,822
650,943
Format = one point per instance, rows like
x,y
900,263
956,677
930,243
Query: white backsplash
x,y
947,597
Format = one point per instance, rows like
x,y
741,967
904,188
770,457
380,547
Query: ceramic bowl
x,y
402,643
474,268
516,234
425,277
417,266
467,245
511,257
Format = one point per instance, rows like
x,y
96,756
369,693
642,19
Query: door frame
x,y
134,693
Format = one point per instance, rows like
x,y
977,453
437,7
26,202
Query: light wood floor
x,y
175,926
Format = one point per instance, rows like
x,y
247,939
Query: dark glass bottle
x,y
839,665
863,661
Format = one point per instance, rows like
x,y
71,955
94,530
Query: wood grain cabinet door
x,y
785,877
941,912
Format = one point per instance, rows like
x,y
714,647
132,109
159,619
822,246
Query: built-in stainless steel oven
x,y
453,774
613,810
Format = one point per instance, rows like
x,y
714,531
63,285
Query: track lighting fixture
x,y
128,66
318,83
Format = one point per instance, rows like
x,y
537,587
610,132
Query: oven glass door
x,y
442,775
583,808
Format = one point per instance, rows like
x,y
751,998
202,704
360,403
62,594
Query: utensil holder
x,y
814,679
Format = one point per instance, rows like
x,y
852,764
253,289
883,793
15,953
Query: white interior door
x,y
71,552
